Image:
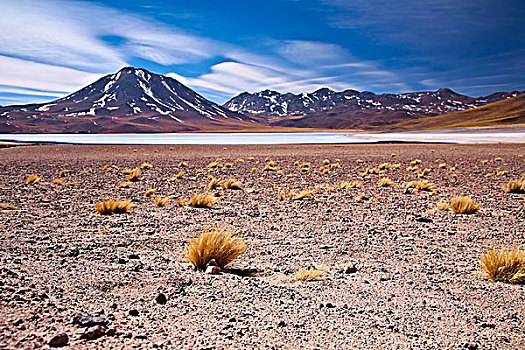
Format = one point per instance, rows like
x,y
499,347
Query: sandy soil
x,y
415,284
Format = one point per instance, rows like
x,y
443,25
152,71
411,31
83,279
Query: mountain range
x,y
136,100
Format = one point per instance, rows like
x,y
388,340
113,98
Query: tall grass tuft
x,y
515,186
178,176
150,192
146,166
303,194
62,173
134,175
308,274
214,183
506,264
422,185
199,200
161,201
385,182
4,206
125,184
110,206
220,243
464,205
32,179
231,184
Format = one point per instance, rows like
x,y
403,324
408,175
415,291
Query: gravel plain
x,y
69,275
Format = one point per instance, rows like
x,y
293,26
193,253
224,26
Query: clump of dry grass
x,y
515,186
32,179
111,206
199,200
498,159
58,182
385,182
460,205
125,184
146,166
415,161
214,183
134,175
502,173
178,176
126,171
423,172
269,166
330,189
104,168
62,173
464,205
161,201
228,165
303,194
220,243
231,184
239,160
422,185
361,198
442,165
183,164
281,196
213,165
308,274
506,264
359,161
150,192
4,206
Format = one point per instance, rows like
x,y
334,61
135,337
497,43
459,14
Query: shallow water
x,y
449,136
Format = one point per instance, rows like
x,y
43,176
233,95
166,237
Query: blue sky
x,y
221,48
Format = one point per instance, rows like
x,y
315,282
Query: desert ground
x,y
397,274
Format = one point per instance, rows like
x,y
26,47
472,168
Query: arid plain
x,y
397,274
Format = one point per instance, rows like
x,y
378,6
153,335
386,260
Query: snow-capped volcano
x,y
131,100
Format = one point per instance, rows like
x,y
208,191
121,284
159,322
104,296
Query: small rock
x,y
93,333
84,320
326,246
73,252
122,261
424,219
141,336
487,325
212,262
161,299
281,323
471,346
133,256
330,305
59,339
213,270
350,269
134,312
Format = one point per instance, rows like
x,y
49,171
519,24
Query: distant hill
x,y
352,109
131,100
510,111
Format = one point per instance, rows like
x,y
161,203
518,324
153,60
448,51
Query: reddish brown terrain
x,y
414,285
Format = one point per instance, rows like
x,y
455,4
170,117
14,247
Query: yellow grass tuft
x,y
200,200
126,171
383,166
459,205
125,184
253,170
330,189
269,167
484,161
506,264
214,183
134,175
250,158
498,159
281,196
213,165
385,182
422,185
502,173
160,201
105,167
359,161
361,198
220,243
58,182
326,162
326,171
279,173
239,160
183,164
32,179
303,194
228,165
178,176
515,186
231,184
111,206
442,165
198,171
146,166
4,206
150,192
62,173
415,161
335,165
308,274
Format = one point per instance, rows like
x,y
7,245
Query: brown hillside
x,y
507,112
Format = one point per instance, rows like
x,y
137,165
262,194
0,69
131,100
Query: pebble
x,y
161,299
350,269
85,320
213,270
58,340
94,333
134,312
